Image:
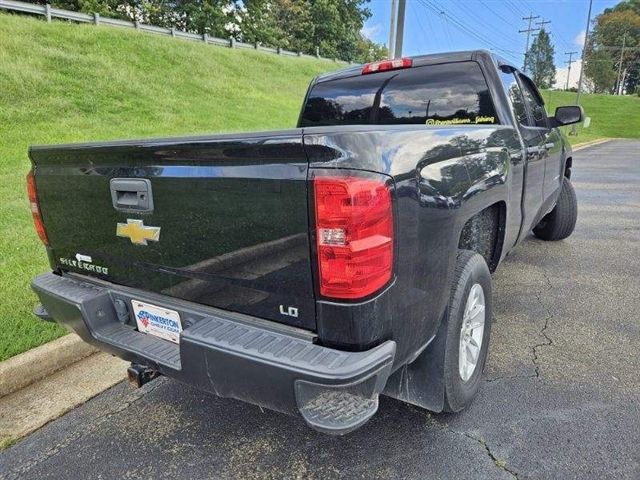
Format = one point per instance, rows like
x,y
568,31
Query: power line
x,y
564,45
417,14
508,22
431,27
526,6
514,8
474,17
447,30
461,26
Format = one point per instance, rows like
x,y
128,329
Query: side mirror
x,y
567,115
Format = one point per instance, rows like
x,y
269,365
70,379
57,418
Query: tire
x,y
560,222
471,271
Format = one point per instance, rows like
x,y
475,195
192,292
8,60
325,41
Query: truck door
x,y
532,186
539,141
552,141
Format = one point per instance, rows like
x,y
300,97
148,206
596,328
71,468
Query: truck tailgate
x,y
226,222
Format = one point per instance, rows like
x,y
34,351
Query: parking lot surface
x,y
561,397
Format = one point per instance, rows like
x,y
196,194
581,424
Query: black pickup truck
x,y
311,270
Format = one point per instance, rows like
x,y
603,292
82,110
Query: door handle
x,y
131,195
540,148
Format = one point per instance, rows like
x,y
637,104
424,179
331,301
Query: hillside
x,y
64,82
611,116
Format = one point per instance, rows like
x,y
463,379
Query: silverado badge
x,y
135,231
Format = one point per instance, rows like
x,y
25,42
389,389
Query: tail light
x,y
354,235
386,65
35,208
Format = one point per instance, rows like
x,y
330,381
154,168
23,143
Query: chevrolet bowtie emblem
x,y
135,231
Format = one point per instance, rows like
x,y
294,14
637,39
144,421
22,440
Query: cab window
x,y
514,93
534,102
443,94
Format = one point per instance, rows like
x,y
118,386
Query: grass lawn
x,y
64,82
611,116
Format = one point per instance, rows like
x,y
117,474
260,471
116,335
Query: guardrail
x,y
96,19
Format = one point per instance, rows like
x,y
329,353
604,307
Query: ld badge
x,y
136,231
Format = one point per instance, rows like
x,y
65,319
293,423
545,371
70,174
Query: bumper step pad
x,y
338,412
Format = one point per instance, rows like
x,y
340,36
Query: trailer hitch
x,y
138,375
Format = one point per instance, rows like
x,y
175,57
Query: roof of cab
x,y
418,60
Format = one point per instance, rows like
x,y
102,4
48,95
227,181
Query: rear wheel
x,y
560,222
468,330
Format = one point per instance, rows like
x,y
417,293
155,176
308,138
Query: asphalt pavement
x,y
561,397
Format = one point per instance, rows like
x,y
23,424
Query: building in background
x,y
561,78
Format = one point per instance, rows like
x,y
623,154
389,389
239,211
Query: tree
x,y
302,25
599,69
333,26
614,25
286,24
106,8
369,51
625,5
337,26
214,17
261,23
538,61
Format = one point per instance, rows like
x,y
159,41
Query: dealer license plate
x,y
158,321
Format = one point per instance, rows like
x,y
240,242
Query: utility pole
x,y
402,6
396,31
543,23
569,62
584,52
392,29
528,31
618,83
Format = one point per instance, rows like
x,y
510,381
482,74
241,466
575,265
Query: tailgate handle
x,y
131,195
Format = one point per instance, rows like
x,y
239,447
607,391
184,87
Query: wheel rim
x,y
471,332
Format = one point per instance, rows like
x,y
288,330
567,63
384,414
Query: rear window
x,y
445,94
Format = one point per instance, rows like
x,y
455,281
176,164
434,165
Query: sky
x,y
447,25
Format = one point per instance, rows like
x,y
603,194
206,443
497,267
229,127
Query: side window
x,y
515,94
532,99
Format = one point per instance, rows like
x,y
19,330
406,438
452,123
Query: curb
x,y
591,143
41,402
33,365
